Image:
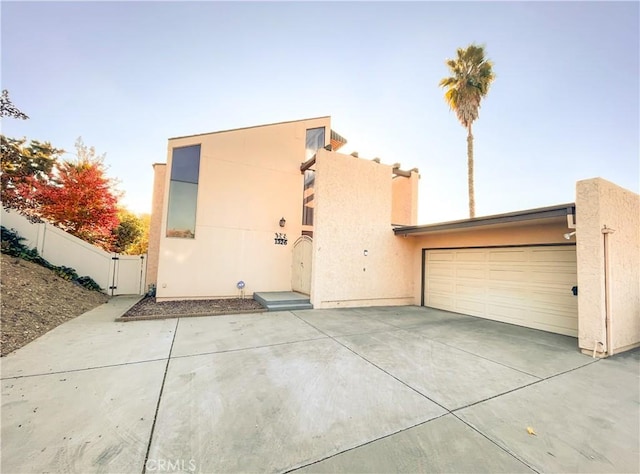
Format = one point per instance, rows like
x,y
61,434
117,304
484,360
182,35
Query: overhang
x,y
530,216
337,141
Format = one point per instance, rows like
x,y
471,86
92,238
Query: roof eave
x,y
560,210
249,127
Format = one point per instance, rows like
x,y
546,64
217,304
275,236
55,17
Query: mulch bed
x,y
149,308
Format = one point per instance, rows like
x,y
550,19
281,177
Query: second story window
x,y
183,192
307,197
314,141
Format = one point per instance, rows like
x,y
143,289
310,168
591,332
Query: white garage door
x,y
528,286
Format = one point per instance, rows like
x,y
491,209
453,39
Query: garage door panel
x,y
470,256
551,328
477,273
441,256
557,295
553,319
442,286
470,290
555,285
546,321
497,274
498,311
557,305
441,301
438,270
511,298
554,277
554,256
529,286
470,306
508,255
507,288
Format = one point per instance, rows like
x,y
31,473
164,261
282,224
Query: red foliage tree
x,y
82,201
23,168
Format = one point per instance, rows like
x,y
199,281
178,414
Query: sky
x,y
127,76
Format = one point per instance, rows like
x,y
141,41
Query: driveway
x,y
388,389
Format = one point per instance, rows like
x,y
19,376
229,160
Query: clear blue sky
x,y
127,76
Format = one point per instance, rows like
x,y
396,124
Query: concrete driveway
x,y
354,390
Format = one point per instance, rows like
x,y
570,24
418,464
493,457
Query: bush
x,y
12,245
66,273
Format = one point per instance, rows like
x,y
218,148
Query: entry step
x,y
283,300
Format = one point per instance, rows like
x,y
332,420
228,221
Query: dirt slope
x,y
35,300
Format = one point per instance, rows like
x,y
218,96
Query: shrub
x,y
88,282
12,245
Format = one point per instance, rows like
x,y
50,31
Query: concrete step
x,y
283,300
289,306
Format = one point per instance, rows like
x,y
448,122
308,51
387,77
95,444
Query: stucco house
x,y
277,208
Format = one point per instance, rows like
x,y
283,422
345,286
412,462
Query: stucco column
x,y
608,253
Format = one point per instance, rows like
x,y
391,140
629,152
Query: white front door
x,y
301,270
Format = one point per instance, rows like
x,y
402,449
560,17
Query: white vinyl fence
x,y
115,273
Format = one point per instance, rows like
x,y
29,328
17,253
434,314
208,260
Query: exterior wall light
x,y
366,252
283,221
568,235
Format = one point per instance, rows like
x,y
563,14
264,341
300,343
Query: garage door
x,y
528,286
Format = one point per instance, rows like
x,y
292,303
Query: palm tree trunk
x,y
472,196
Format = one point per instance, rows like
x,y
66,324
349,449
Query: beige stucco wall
x,y
550,231
249,179
155,226
352,214
404,201
601,204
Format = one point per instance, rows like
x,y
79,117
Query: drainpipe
x,y
607,290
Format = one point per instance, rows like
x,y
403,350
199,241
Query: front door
x,y
301,270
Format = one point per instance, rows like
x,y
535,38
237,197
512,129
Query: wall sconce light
x,y
283,221
568,235
366,252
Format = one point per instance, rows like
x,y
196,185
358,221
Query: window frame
x,y
179,176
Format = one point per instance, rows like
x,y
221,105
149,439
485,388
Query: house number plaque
x,y
280,239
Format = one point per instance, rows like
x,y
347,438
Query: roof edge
x,y
558,210
251,126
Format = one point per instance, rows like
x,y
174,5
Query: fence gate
x,y
128,275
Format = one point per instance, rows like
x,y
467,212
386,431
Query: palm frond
x,y
470,80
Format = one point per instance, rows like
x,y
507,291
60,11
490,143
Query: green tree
x,y
132,234
141,245
7,109
471,76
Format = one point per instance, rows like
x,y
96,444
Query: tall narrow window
x,y
315,141
183,192
307,197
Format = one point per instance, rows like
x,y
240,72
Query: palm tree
x,y
471,77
